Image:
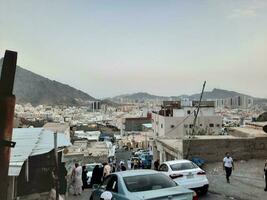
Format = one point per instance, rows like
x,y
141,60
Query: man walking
x,y
228,166
156,165
77,179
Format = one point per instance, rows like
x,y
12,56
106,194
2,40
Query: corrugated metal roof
x,y
32,142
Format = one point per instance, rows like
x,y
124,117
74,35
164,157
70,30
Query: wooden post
x,y
56,164
7,106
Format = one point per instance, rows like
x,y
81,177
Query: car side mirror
x,y
95,187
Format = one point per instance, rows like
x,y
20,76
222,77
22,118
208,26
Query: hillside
x,y
140,96
214,94
217,94
35,89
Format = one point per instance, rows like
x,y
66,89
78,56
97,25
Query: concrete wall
x,y
214,149
134,124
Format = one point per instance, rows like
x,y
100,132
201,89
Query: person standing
x,y
96,175
123,168
129,164
265,175
107,170
228,166
77,179
84,177
156,165
135,163
62,178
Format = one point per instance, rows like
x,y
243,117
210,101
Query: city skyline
x,y
108,48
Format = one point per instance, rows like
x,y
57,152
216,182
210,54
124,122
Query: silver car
x,y
141,185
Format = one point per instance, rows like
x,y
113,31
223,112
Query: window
x,y
163,168
112,184
188,112
186,125
183,166
148,182
218,125
211,125
172,126
105,182
191,126
200,124
161,125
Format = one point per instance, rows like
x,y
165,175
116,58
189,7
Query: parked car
x,y
146,160
139,152
90,167
187,174
141,185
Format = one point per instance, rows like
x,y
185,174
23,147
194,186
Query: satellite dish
x,y
265,128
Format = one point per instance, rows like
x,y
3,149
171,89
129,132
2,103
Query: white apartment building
x,y
177,122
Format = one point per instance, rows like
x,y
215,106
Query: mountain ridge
x,y
214,94
33,88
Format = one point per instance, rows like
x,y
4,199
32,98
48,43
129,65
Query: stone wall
x,y
213,150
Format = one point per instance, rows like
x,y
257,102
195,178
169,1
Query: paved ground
x,y
247,181
86,194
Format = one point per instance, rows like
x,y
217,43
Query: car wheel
x,y
204,189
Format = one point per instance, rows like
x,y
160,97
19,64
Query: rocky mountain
x,y
217,94
214,94
140,96
35,89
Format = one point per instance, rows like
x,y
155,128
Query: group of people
x,y
79,173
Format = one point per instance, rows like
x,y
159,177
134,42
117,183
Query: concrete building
x,y
243,143
237,102
176,121
94,106
32,160
134,123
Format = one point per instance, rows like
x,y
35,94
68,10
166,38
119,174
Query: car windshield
x,y
183,166
90,168
148,182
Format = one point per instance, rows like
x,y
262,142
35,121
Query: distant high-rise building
x,y
240,102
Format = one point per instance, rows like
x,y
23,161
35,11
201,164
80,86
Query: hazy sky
x,y
164,47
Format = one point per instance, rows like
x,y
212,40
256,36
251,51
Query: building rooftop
x,y
249,132
32,142
56,127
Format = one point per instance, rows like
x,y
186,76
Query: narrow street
x,y
123,155
86,195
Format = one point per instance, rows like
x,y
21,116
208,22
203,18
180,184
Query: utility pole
x,y
7,106
195,120
198,107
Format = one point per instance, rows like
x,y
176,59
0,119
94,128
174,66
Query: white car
x,y
187,174
90,167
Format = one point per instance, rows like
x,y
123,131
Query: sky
x,y
164,47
